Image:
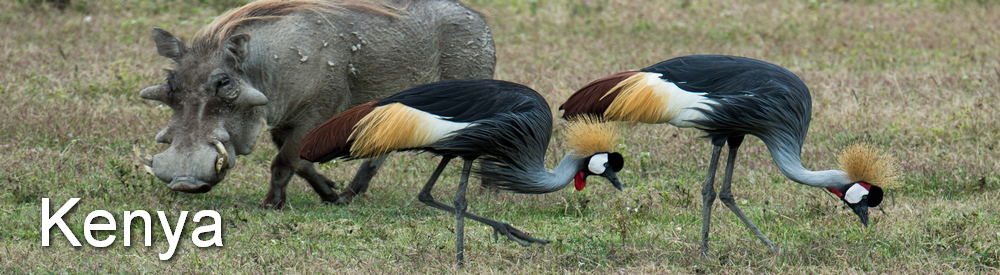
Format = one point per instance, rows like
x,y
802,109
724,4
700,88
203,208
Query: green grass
x,y
919,77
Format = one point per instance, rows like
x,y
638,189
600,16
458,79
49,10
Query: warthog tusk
x,y
149,170
223,160
143,157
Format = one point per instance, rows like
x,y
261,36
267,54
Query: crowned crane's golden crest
x,y
588,135
867,162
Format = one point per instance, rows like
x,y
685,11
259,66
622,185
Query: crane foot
x,y
515,235
775,250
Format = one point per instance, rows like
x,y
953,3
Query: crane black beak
x,y
610,175
861,209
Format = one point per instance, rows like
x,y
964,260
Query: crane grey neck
x,y
560,177
787,155
534,179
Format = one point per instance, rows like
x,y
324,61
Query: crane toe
x,y
515,235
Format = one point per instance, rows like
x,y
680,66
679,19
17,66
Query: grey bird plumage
x,y
728,98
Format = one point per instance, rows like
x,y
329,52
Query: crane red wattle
x,y
580,181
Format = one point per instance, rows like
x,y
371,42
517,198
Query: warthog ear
x,y
168,45
239,47
155,92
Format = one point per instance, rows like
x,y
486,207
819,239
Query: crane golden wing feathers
x,y
640,99
587,135
595,97
866,162
396,126
332,138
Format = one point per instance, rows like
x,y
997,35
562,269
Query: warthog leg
x,y
288,163
362,179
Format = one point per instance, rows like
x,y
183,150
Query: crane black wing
x,y
502,118
466,100
752,96
507,117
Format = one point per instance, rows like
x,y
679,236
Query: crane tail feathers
x,y
595,97
332,139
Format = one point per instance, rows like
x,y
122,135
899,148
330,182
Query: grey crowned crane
x,y
728,98
505,125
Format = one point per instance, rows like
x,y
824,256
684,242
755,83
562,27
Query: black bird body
x,y
729,97
490,108
505,125
750,96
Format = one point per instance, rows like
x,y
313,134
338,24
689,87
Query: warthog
x,y
287,66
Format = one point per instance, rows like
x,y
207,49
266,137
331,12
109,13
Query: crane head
x,y
859,196
601,164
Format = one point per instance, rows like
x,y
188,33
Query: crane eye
x,y
617,161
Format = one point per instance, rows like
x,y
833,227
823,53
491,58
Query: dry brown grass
x,y
918,77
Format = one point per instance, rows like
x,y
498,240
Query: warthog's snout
x,y
189,185
190,169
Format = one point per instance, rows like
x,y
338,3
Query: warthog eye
x,y
171,78
223,89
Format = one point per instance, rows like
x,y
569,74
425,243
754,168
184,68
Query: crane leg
x,y
726,196
425,193
708,195
512,233
361,180
460,206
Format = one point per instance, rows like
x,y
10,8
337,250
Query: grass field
x,y
919,77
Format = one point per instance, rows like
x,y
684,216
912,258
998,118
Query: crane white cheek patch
x,y
597,163
855,193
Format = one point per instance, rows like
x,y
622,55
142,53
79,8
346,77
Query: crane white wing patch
x,y
439,127
855,193
683,105
597,163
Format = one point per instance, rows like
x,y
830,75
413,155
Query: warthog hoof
x,y
270,202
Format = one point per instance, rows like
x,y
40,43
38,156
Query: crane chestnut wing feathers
x,y
594,97
331,139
